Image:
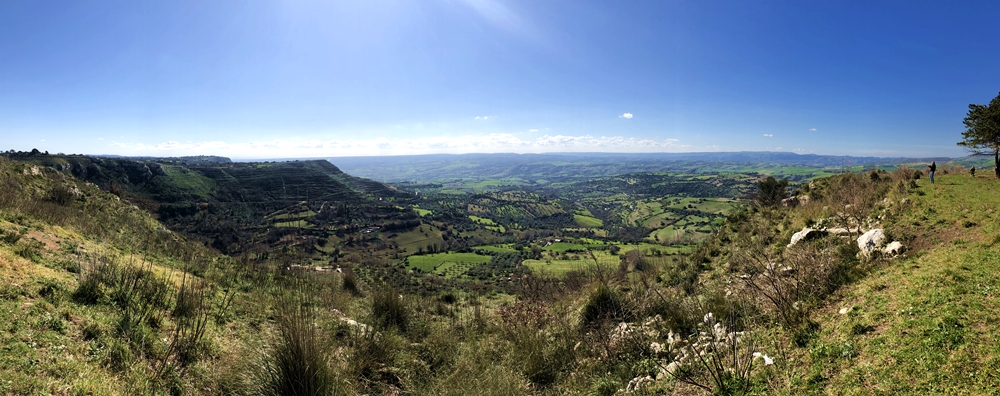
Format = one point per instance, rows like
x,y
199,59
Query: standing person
x,y
933,167
973,171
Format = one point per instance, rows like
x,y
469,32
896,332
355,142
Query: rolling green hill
x,y
97,296
231,204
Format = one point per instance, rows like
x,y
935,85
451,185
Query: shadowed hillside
x,y
228,204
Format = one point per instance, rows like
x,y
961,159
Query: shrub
x,y
770,192
61,194
719,357
605,386
188,302
52,322
389,310
682,273
10,237
373,356
857,196
604,304
31,250
633,260
298,363
350,282
89,291
53,291
92,331
542,356
119,356
542,348
800,276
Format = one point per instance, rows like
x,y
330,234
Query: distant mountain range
x,y
556,166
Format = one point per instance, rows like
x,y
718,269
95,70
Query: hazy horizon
x,y
540,154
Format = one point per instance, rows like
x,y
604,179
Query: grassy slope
x,y
52,344
415,240
587,221
926,323
429,262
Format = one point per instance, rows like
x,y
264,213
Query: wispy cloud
x,y
626,115
532,130
812,129
768,135
491,143
503,17
482,117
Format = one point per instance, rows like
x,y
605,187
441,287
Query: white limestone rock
x,y
871,241
839,231
804,235
894,248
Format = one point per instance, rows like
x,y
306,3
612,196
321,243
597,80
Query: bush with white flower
x,y
713,357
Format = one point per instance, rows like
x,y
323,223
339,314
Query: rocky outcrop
x,y
32,171
871,241
839,231
361,328
137,172
894,248
156,169
797,200
805,235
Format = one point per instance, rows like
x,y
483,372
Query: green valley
x,y
200,276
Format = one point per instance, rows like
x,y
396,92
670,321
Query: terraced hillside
x,y
230,204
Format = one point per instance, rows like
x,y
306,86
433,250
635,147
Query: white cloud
x,y
482,117
779,149
532,130
626,115
812,129
768,135
491,143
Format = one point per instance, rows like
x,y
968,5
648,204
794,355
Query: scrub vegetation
x,y
102,293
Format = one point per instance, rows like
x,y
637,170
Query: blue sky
x,y
261,79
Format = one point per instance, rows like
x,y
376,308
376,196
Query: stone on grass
x,y
805,235
839,231
894,248
871,241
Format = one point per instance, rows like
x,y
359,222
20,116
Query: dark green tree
x,y
770,192
982,131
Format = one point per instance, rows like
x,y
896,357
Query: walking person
x,y
973,171
933,167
